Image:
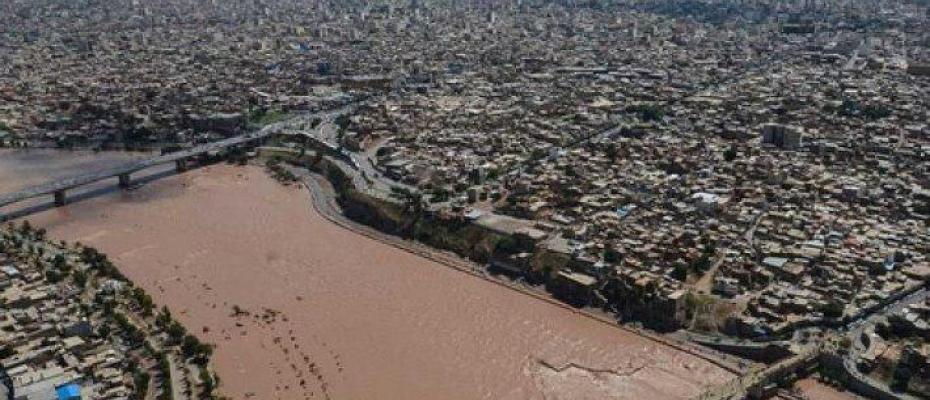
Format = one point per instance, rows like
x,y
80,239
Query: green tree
x,y
901,377
140,380
208,383
730,154
103,331
176,331
80,278
702,263
343,122
647,112
834,308
144,301
680,272
612,256
53,276
193,348
7,351
163,320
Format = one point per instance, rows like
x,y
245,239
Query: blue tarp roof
x,y
70,391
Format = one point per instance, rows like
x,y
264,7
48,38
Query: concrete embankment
x,y
394,216
762,352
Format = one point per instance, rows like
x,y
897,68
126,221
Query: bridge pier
x,y
180,164
60,198
124,180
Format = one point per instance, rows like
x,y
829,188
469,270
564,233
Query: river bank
x,y
324,201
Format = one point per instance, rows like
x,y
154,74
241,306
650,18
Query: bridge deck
x,y
81,180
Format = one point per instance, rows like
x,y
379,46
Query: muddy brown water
x,y
816,390
328,313
20,169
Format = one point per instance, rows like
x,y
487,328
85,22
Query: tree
x,y
612,151
144,301
440,194
190,345
730,154
702,263
845,343
103,331
140,380
647,112
902,376
680,272
80,278
163,320
343,122
612,256
194,349
208,383
176,331
53,276
7,351
834,309
507,245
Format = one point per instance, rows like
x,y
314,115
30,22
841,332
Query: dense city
x,y
740,175
73,327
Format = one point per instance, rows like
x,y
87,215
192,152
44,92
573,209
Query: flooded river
x,y
327,313
816,390
20,169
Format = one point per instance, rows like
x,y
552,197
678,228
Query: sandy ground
x,y
815,390
331,314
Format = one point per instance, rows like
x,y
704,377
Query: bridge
x,y
181,159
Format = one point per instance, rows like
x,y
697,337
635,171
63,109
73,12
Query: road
x,y
739,387
179,384
858,327
360,166
706,282
751,232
